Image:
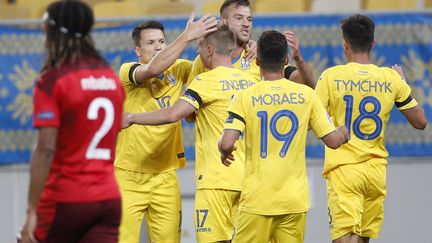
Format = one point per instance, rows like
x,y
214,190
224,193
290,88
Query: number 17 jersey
x,y
361,97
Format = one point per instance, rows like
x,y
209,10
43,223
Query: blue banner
x,y
405,39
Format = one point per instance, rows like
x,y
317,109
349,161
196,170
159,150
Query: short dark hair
x,y
237,3
223,39
272,50
151,24
358,31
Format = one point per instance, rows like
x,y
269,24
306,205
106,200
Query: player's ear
x,y
257,61
137,51
286,60
344,44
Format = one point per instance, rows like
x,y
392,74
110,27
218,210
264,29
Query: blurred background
x,y
403,36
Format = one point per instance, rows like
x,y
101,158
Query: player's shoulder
x,y
125,67
182,62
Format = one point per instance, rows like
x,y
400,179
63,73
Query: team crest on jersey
x,y
244,64
171,79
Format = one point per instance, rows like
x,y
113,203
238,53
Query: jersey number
x,y
201,221
364,114
93,152
283,137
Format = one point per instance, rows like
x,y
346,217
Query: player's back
x,y
276,115
211,93
84,99
240,62
361,97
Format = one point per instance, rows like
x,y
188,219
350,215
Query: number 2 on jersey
x,y
93,152
364,114
283,137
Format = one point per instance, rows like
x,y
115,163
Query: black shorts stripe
x,y
131,72
194,95
288,71
236,116
403,103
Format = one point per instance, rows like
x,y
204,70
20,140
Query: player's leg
x,y
164,214
135,189
373,215
215,211
106,228
346,200
289,228
252,228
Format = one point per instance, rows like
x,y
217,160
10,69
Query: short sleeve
x,y
127,72
199,92
404,100
320,121
45,106
236,114
323,90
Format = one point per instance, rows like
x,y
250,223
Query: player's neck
x,y
219,60
360,57
271,75
237,51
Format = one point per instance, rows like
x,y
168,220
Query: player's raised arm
x,y
193,31
304,73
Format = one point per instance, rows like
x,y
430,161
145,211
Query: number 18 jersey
x,y
275,116
361,97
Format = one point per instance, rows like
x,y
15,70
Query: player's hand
x,y
294,45
399,70
228,158
344,132
27,232
190,118
126,120
201,27
251,50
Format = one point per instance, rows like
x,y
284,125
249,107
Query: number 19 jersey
x,y
275,116
361,97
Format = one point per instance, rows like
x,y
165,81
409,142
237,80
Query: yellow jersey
x,y
239,62
152,149
275,116
210,93
361,97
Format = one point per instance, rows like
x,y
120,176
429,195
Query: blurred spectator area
x,y
33,9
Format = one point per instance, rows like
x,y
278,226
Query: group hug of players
x,y
252,111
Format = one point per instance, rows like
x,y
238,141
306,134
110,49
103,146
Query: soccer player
x,y
209,94
148,157
237,14
274,116
78,103
361,95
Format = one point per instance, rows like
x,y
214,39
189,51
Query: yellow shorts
x,y
215,212
252,227
153,196
356,194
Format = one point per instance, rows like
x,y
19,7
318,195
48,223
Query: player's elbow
x,y
420,124
333,144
